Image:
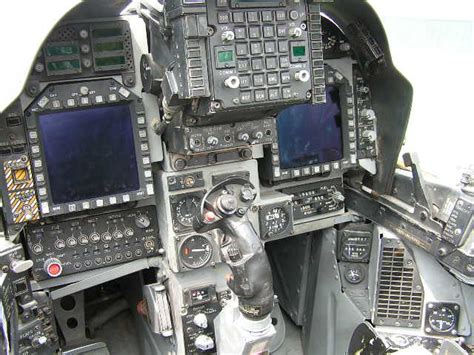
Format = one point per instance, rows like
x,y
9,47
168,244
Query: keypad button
x,y
285,77
271,63
268,31
267,16
270,47
241,49
281,15
282,31
286,93
272,78
252,16
260,95
274,94
223,17
254,32
259,80
246,97
243,65
283,46
238,17
240,33
245,81
255,48
257,64
284,62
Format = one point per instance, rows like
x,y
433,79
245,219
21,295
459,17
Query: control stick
x,y
244,327
225,206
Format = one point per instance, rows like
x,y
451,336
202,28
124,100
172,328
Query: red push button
x,y
53,267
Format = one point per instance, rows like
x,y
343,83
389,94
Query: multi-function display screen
x,y
311,134
89,153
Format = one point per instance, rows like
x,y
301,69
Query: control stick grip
x,y
251,278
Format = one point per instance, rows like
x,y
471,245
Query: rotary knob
x,y
368,114
338,197
142,221
228,36
212,141
302,75
200,320
232,82
369,135
53,267
204,342
295,32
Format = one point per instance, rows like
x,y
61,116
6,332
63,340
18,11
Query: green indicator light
x,y
225,56
64,65
108,46
299,51
61,50
107,32
109,61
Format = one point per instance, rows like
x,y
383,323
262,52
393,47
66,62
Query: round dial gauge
x,y
186,209
276,220
354,275
195,251
442,319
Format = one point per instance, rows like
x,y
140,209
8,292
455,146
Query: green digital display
x,y
62,65
299,51
68,49
110,61
107,32
225,56
108,46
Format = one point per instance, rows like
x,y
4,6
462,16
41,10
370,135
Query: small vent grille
x,y
400,292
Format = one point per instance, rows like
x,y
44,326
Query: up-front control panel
x,y
89,147
259,52
85,50
92,242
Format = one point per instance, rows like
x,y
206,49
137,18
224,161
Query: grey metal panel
x,y
332,317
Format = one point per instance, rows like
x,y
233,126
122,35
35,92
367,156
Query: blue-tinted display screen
x,y
89,153
311,134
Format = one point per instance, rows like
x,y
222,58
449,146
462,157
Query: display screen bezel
x,y
271,167
84,110
65,97
290,162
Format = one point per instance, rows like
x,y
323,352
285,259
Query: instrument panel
x,y
270,91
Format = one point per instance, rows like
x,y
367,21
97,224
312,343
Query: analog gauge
x,y
186,209
195,251
442,319
329,40
276,220
354,274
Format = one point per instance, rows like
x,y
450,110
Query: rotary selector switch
x,y
200,320
142,221
204,342
295,32
53,267
212,141
369,135
302,75
367,113
228,36
232,82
